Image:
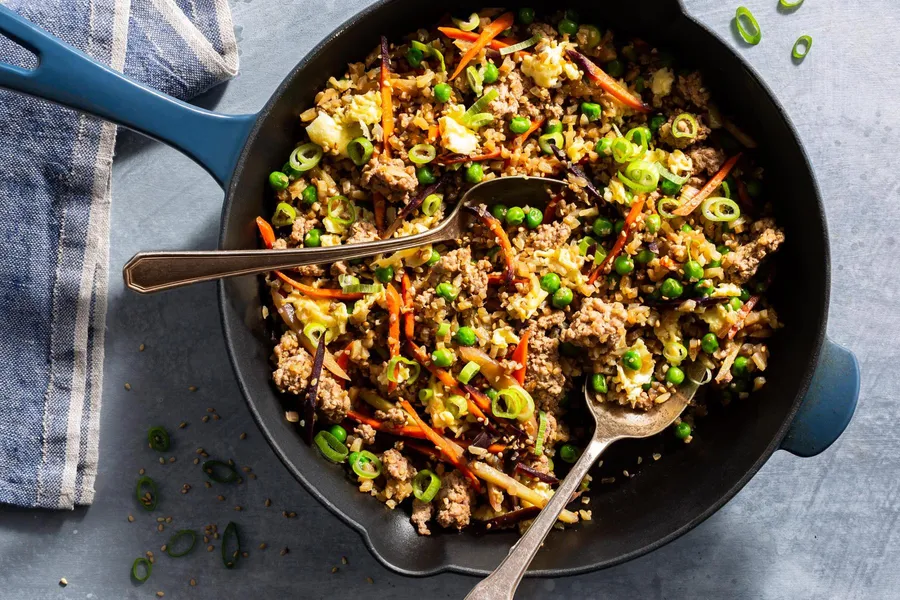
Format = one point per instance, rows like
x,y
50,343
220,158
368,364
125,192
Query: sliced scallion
x,y
425,395
182,533
360,151
305,157
667,174
367,465
674,352
692,127
666,205
158,438
422,154
747,25
313,331
346,279
789,4
532,41
284,215
720,209
138,565
330,447
470,24
338,206
541,434
229,558
413,366
426,485
430,51
432,204
640,176
475,79
801,46
220,472
457,406
363,288
468,372
146,493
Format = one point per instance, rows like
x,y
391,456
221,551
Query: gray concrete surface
x,y
819,528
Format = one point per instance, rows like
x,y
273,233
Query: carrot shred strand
x,y
630,221
520,355
711,186
496,227
265,232
495,28
607,83
535,125
320,293
470,36
387,101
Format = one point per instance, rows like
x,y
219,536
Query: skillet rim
x,y
805,377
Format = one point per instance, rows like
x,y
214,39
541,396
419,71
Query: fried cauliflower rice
x,y
441,377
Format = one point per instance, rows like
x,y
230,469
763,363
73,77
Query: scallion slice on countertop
x,y
173,541
747,25
230,537
141,569
220,472
789,4
801,47
158,438
146,493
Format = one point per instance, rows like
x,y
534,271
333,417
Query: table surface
x,y
825,527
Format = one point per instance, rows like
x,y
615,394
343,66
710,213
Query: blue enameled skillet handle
x,y
829,404
69,77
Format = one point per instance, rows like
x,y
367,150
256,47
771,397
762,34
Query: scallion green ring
x,y
545,142
693,127
533,40
675,352
720,209
174,540
148,569
305,157
742,18
367,465
470,24
475,79
231,532
541,434
360,151
788,4
341,204
211,468
331,447
422,154
284,215
640,176
426,485
414,369
468,372
457,406
623,150
425,395
432,204
667,174
661,207
801,47
158,438
140,493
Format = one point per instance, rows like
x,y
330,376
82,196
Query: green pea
x,y
569,349
553,126
603,146
550,283
623,264
492,394
656,122
446,291
442,92
384,274
704,287
740,366
682,431
687,228
338,432
433,260
713,264
653,222
465,336
602,227
646,386
632,360
491,73
499,211
668,188
442,357
569,453
620,225
675,375
515,216
519,125
745,294
693,271
615,68
644,256
591,110
526,16
670,288
709,343
723,249
414,57
735,303
425,175
279,180
474,173
533,218
310,194
313,238
562,297
351,460
754,188
567,27
598,383
592,36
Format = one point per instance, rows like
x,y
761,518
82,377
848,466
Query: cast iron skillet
x,y
666,498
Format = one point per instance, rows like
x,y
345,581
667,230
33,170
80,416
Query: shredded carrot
x,y
461,159
711,186
387,101
607,83
265,232
499,232
494,28
404,430
319,293
550,210
433,133
730,332
393,303
630,221
380,207
455,459
470,36
535,125
409,317
476,403
520,355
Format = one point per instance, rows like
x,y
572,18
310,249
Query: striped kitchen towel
x,y
55,169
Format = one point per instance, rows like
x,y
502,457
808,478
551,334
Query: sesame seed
x,y
246,469
243,436
162,461
209,548
141,348
220,498
171,459
193,582
268,502
263,546
252,475
182,425
216,417
285,550
160,594
162,548
192,388
196,461
238,508
160,519
160,527
334,569
344,560
63,581
370,580
127,387
168,519
131,518
141,472
205,419
210,410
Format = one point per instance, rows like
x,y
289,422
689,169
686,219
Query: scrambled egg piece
x,y
364,108
546,66
680,163
523,307
661,82
615,192
333,315
331,240
503,337
667,330
715,316
362,307
455,136
633,380
566,261
333,136
726,290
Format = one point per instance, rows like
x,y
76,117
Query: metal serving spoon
x,y
149,272
613,422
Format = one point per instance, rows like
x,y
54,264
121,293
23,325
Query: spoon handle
x,y
503,582
149,272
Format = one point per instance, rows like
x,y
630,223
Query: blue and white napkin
x,y
55,194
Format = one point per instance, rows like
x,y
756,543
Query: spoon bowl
x,y
612,422
149,272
